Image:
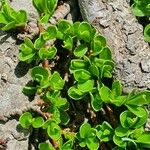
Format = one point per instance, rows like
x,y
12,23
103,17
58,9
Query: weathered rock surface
x,y
114,19
13,77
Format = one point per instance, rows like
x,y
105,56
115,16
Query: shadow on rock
x,y
21,69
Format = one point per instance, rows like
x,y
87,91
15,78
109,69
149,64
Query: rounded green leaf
x,y
46,146
105,94
64,117
25,120
121,132
54,131
81,50
77,64
82,75
96,102
65,26
86,86
92,143
39,42
68,42
67,145
116,88
50,33
106,54
40,74
84,130
47,53
119,142
93,69
56,82
97,44
37,122
84,31
75,93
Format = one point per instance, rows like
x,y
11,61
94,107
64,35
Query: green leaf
x,y
51,5
106,54
82,75
39,42
144,138
119,142
92,143
29,43
84,130
76,28
68,42
21,18
77,64
9,26
47,53
96,101
147,33
37,122
75,93
25,120
119,100
65,26
81,50
64,117
46,146
94,70
105,94
116,88
97,44
50,33
137,110
87,86
3,18
40,5
67,145
84,31
121,132
54,131
29,90
56,82
40,75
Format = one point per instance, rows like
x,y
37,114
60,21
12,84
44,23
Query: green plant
x,y
11,18
141,8
45,8
84,110
90,63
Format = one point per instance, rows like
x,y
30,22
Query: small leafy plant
x,y
11,18
81,106
141,8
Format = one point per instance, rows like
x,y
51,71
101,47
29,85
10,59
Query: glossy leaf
x,y
25,120
82,75
68,42
116,88
81,50
56,82
86,86
37,122
47,53
54,131
106,54
75,93
46,146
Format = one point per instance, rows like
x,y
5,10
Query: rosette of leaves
x,y
87,137
44,80
10,18
131,128
38,50
45,8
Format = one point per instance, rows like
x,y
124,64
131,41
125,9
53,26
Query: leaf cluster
x,y
141,8
10,18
